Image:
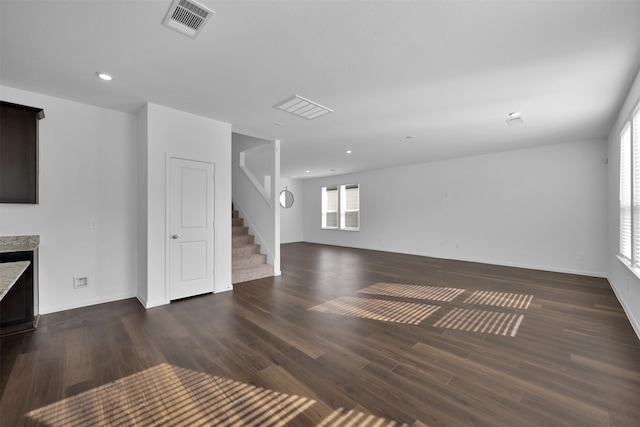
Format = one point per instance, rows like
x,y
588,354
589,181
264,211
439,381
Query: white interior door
x,y
192,228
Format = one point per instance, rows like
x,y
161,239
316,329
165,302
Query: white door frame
x,y
167,220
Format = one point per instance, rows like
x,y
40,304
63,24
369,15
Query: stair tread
x,y
239,230
246,249
245,244
242,238
250,260
246,274
255,268
252,255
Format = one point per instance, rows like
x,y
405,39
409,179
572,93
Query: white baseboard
x,y
533,267
635,324
150,304
88,304
481,261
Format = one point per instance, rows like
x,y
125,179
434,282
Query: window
x,y
625,192
330,207
630,190
350,207
341,207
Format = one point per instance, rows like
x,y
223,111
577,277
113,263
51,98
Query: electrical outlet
x,y
80,282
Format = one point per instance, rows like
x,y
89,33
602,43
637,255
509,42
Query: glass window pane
x,y
331,219
625,192
351,219
353,198
332,199
635,143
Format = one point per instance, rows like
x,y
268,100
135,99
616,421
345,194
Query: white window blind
x,y
330,207
625,192
350,212
635,170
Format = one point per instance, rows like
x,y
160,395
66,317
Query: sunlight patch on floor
x,y
384,310
169,395
500,299
436,293
487,322
343,418
472,320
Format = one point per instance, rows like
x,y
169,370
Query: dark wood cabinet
x,y
19,307
19,153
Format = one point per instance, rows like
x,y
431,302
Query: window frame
x,y
342,207
325,209
625,248
629,194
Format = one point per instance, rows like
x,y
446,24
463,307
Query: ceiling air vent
x,y
302,107
187,17
515,121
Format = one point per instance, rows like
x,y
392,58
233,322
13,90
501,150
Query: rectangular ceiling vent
x,y
515,121
302,107
187,17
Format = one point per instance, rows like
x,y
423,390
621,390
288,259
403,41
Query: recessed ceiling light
x,y
307,171
104,76
514,114
348,151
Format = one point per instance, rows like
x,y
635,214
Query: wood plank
x,y
18,394
78,366
277,378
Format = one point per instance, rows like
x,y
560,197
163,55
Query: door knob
x,y
174,236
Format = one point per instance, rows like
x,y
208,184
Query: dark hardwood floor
x,y
344,337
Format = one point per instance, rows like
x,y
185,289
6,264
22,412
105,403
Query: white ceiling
x,y
447,72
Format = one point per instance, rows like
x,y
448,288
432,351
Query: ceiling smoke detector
x,y
187,17
302,107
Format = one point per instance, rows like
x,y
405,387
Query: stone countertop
x,y
18,243
10,272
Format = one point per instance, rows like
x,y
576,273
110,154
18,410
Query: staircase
x,y
247,261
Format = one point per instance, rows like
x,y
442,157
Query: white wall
x,y
260,215
175,133
260,161
291,219
88,159
543,208
624,282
